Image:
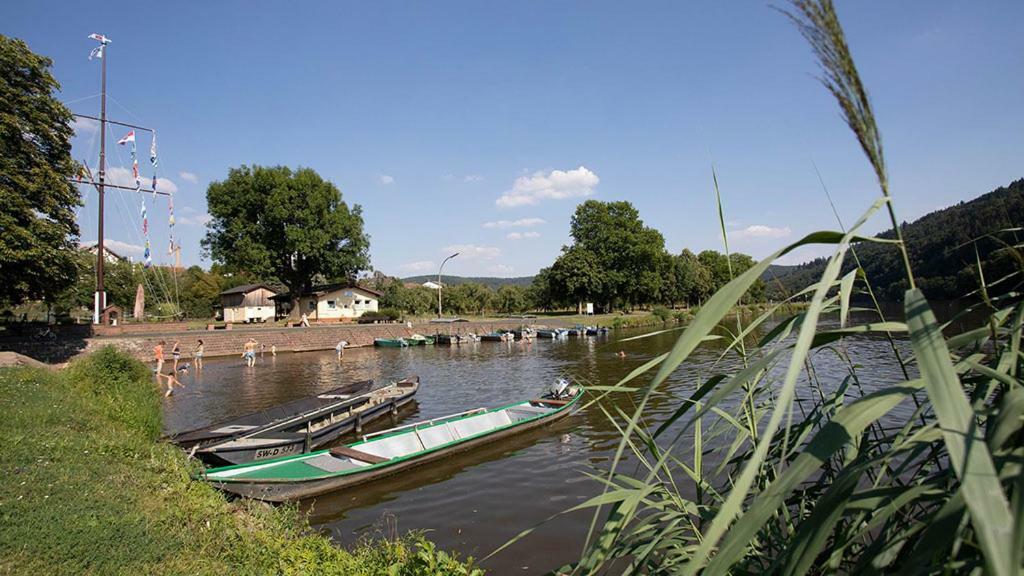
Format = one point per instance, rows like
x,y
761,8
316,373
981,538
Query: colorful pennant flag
x,y
152,152
129,137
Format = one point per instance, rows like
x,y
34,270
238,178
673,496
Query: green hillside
x,y
941,247
490,282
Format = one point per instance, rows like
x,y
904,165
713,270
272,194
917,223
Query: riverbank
x,y
85,487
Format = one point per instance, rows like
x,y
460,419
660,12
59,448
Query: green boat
x,y
391,451
390,342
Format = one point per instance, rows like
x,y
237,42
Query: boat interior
x,y
399,442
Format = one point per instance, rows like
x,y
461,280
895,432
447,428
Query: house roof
x,y
322,289
246,288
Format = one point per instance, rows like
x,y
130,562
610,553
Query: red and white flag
x,y
129,137
103,39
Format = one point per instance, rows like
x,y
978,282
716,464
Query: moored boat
x,y
450,339
390,342
419,340
391,451
596,330
497,337
310,430
249,423
552,333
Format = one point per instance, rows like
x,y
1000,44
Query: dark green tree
x,y
577,275
511,299
285,226
37,201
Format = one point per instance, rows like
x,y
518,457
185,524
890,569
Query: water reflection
x,y
476,501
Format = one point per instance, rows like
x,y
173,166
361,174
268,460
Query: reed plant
x,y
770,467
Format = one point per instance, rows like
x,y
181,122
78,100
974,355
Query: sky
x,y
478,127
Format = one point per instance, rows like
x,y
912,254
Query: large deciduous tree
x,y
284,225
37,201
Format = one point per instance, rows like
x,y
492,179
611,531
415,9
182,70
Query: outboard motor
x,y
560,389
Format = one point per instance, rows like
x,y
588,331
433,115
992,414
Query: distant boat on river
x,y
390,342
391,451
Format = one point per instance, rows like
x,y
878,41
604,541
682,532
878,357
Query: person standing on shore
x,y
304,320
340,349
158,355
197,354
249,352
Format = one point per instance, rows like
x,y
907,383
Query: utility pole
x,y
100,298
441,267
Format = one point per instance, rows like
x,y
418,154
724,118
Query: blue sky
x,y
478,127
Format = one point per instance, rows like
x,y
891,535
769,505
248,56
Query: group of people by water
x,y
249,350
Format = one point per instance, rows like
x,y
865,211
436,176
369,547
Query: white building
x,y
336,302
432,285
248,303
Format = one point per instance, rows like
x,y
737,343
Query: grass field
x,y
85,488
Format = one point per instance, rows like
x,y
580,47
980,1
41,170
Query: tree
x,y
37,201
511,299
626,251
286,226
576,274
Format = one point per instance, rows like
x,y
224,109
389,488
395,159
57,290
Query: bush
x,y
662,313
123,386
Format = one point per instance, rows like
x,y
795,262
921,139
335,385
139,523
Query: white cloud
x,y
501,269
117,246
522,235
84,126
192,218
472,251
188,176
521,223
385,180
760,231
123,177
472,178
418,266
557,184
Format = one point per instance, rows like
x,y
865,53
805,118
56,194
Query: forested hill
x,y
493,283
941,252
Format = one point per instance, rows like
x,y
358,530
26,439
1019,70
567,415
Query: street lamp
x,y
441,267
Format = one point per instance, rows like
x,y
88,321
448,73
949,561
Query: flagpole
x,y
100,298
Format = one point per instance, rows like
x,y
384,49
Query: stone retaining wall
x,y
230,342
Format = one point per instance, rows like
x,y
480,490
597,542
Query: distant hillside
x,y
490,282
941,252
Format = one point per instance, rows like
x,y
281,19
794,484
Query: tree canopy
x,y
284,225
37,201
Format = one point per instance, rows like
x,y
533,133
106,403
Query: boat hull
x,y
390,343
297,443
290,491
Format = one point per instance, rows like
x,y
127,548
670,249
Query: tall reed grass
x,y
768,468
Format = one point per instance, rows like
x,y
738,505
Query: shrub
x,y
662,313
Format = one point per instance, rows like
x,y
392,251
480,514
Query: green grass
x,y
85,488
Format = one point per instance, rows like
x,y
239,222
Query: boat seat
x,y
346,452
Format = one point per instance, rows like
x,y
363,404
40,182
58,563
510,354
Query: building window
x,y
330,305
311,304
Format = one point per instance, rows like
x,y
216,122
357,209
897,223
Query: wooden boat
x,y
391,451
260,420
310,430
497,337
390,342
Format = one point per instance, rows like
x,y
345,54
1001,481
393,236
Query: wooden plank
x,y
551,401
346,452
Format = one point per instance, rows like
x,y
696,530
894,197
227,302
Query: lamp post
x,y
441,267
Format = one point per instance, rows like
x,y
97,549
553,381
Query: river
x,y
475,502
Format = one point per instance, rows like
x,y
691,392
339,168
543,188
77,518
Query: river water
x,y
476,501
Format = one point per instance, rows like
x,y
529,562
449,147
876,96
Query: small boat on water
x,y
391,451
524,334
419,340
451,339
309,430
249,423
497,337
597,331
390,342
552,333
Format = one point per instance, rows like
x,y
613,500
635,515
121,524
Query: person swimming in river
x,y
249,352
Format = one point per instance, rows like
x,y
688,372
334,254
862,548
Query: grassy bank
x,y
85,488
